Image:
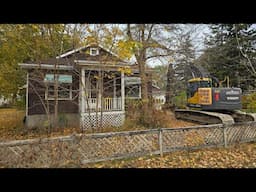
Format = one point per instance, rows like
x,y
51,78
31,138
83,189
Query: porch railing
x,y
109,104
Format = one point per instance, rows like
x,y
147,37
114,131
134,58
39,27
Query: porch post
x,y
83,90
140,91
122,91
27,95
114,94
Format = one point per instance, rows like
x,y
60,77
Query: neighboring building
x,y
4,102
158,96
80,96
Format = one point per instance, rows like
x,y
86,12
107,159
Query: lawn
x,y
12,126
11,122
11,118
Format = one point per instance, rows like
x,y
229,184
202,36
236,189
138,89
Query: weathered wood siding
x,y
37,90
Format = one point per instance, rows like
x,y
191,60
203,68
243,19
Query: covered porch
x,y
102,96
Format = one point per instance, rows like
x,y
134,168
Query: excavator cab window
x,y
192,88
205,84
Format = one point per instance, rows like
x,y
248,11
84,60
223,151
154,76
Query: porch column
x,y
122,91
83,90
27,95
140,91
114,94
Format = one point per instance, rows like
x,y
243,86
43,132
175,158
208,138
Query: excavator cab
x,y
198,89
194,84
205,94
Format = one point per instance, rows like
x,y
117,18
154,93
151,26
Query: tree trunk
x,y
55,121
169,88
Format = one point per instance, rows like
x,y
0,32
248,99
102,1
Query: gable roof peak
x,y
84,47
87,46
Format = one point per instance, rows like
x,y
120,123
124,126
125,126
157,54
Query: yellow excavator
x,y
210,96
208,102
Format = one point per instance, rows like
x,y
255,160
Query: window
x,y
64,86
132,91
205,84
94,51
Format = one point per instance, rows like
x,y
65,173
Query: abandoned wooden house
x,y
89,83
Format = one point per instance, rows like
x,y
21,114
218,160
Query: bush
x,y
249,102
20,103
180,100
152,118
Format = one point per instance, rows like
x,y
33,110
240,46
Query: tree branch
x,y
245,55
158,55
129,34
150,32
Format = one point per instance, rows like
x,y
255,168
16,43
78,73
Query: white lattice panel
x,y
108,119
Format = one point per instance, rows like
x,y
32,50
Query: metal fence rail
x,y
85,148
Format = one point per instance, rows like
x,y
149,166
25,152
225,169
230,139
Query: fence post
x,y
225,135
160,140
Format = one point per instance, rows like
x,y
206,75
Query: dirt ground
x,y
175,123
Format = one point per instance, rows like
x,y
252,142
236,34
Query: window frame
x,y
94,49
51,84
133,86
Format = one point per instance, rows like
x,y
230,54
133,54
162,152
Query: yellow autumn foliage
x,y
126,70
126,48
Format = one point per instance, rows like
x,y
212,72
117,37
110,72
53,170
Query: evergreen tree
x,y
178,72
231,52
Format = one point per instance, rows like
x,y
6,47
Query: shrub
x,y
180,100
152,118
249,102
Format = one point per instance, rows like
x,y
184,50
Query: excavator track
x,y
240,116
206,117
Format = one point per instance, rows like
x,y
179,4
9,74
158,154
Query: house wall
x,y
36,94
103,56
65,120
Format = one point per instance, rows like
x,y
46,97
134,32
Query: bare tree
x,y
151,41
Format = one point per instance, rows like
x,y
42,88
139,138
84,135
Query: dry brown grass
x,y
12,127
11,122
170,121
11,118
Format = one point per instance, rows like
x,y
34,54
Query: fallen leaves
x,y
237,156
12,127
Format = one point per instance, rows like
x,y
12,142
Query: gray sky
x,y
200,31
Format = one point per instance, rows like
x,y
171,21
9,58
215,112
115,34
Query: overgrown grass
x,y
151,118
11,118
11,122
12,127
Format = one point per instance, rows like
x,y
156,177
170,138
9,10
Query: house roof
x,y
79,55
84,48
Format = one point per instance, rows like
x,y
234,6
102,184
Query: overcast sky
x,y
201,31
